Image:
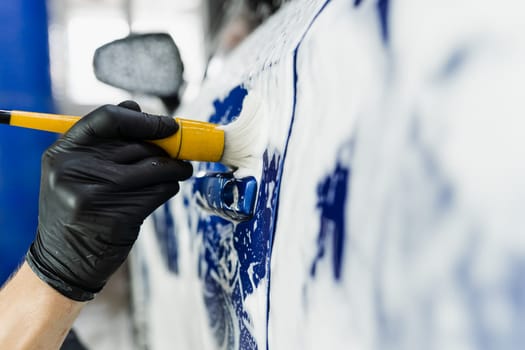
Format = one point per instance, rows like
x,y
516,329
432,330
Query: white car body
x,y
391,185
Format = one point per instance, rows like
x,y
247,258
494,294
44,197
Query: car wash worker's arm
x,y
99,182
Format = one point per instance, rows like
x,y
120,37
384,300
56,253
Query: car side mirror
x,y
142,63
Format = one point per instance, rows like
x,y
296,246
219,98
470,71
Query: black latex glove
x,y
99,182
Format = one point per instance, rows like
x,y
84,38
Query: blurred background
x,y
46,66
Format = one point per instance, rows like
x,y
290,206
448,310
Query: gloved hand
x,y
99,182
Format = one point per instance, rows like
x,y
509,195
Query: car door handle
x,y
226,196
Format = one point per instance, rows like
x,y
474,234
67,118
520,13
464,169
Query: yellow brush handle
x,y
195,140
43,121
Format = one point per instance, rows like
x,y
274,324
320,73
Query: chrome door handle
x,y
226,196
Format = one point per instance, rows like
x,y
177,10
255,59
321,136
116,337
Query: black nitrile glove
x,y
99,182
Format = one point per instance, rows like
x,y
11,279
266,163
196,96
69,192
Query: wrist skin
x,y
33,315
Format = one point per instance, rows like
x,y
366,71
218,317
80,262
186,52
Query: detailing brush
x,y
195,140
243,135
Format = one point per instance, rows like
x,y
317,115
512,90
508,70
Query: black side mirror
x,y
142,63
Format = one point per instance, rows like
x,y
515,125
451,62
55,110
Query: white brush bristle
x,y
241,146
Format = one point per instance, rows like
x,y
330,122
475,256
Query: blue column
x,y
24,84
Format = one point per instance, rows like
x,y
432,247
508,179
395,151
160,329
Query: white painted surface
x,y
429,125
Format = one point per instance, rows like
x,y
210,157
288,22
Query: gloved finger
x,y
150,197
150,171
160,194
114,122
130,105
118,177
133,152
122,152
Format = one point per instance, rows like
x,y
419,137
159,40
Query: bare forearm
x,y
34,315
